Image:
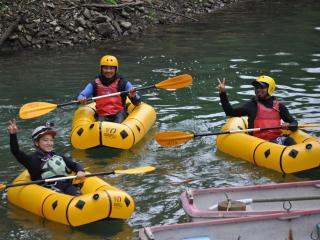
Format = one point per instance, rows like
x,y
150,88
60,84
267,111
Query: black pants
x,y
65,187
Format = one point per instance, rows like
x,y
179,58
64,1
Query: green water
x,y
277,38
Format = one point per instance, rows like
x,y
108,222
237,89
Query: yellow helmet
x,y
262,80
109,60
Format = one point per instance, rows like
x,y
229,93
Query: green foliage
x,y
112,2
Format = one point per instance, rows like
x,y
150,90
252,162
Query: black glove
x,y
293,126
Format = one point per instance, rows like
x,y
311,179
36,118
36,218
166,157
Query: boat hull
x,y
204,203
297,225
88,133
98,201
302,156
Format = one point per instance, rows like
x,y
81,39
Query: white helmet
x,y
43,130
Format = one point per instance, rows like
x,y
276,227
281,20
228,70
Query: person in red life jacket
x,y
44,162
112,109
263,111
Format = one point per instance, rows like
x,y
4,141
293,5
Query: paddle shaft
x,y
56,179
104,96
126,171
238,131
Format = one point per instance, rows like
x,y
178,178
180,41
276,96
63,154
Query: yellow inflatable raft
x,y
303,156
98,201
87,132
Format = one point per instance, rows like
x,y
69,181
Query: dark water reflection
x,y
277,38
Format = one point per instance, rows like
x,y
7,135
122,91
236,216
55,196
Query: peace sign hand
x,y
221,86
12,128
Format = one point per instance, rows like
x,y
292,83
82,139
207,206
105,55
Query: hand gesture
x,y
83,100
12,128
81,175
132,93
221,86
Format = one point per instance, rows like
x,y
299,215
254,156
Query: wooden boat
x,y
87,132
302,156
295,225
251,200
98,201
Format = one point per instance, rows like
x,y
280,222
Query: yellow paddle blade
x,y
176,82
36,109
2,186
169,139
309,125
135,170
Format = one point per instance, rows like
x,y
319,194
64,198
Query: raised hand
x,y
221,86
12,128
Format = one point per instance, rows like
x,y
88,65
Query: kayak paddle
x,y
169,139
36,109
127,171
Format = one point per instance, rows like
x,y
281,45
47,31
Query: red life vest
x,y
267,117
109,105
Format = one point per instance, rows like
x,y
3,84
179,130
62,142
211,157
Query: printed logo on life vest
x,y
117,201
110,132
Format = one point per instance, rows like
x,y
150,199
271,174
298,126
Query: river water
x,y
277,38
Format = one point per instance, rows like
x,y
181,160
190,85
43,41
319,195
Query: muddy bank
x,y
67,23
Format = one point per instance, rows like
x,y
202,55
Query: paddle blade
x,y
309,125
169,139
2,186
176,82
135,170
36,109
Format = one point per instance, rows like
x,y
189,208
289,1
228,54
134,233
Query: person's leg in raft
x,y
120,117
67,188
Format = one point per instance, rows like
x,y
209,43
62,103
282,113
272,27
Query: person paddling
x,y
112,109
44,162
263,111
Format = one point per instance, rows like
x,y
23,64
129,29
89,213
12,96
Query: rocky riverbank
x,y
67,23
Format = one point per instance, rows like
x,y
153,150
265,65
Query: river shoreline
x,y
61,23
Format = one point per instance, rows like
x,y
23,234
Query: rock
x,y
81,22
24,42
105,29
54,23
117,27
126,25
87,13
125,14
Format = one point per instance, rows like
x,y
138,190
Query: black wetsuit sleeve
x,y
287,117
247,109
72,165
22,157
231,111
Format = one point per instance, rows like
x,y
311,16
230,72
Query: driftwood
x,y
113,6
136,4
174,13
10,30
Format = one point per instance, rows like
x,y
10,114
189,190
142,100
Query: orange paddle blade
x,y
169,139
135,170
309,125
176,82
2,186
36,109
